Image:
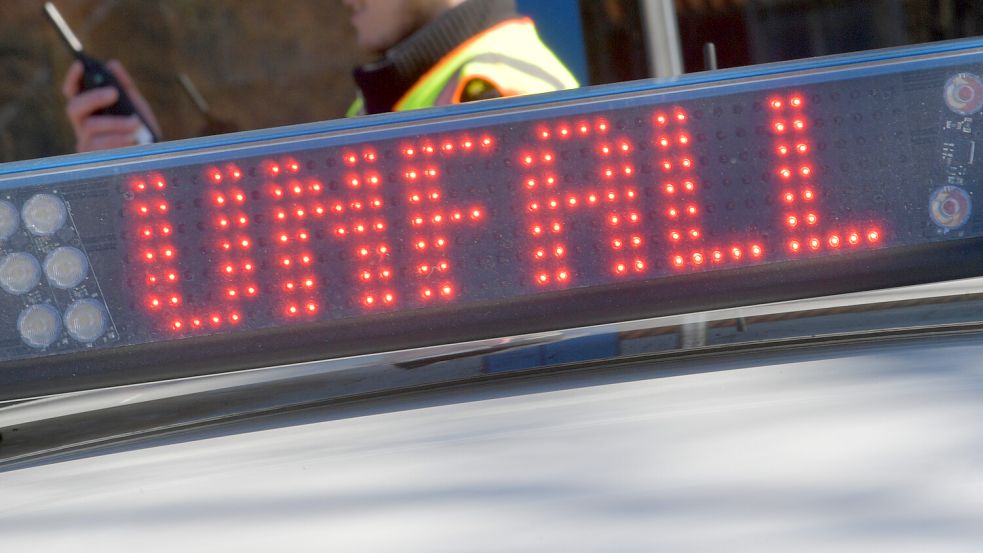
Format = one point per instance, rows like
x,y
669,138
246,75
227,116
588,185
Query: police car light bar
x,y
500,218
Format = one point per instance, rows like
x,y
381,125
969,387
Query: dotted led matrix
x,y
681,210
551,203
680,204
155,250
297,208
444,217
358,220
234,268
432,221
799,195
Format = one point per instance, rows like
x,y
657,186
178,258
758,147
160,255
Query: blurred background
x,y
262,64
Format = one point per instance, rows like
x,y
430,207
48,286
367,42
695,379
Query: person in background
x,y
428,53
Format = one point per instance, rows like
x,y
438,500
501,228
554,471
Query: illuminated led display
x,y
448,223
397,224
435,224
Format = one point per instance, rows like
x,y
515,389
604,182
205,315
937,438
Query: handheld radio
x,y
96,75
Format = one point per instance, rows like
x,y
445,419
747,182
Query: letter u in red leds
x,y
154,251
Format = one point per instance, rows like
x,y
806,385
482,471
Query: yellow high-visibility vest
x,y
508,59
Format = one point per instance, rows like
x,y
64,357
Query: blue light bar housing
x,y
505,217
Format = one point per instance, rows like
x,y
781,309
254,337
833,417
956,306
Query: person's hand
x,y
101,132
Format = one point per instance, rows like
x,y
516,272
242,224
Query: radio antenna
x,y
63,29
